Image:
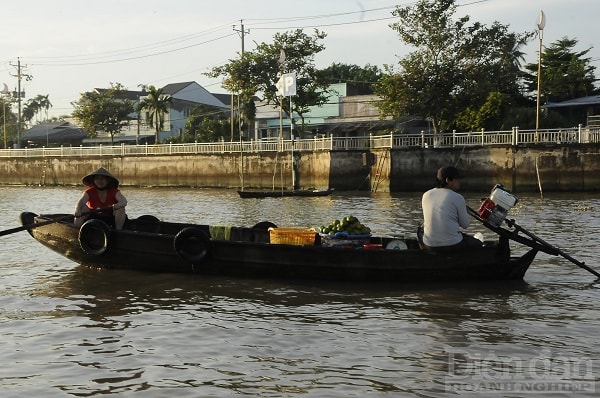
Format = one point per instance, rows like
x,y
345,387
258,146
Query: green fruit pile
x,y
350,225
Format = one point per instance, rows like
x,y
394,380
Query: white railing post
x,y
579,134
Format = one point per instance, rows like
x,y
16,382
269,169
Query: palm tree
x,y
513,45
44,103
34,106
511,62
157,104
29,110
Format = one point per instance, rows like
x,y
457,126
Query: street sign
x,y
286,85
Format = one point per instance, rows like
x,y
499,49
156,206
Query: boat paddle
x,y
513,224
550,249
42,223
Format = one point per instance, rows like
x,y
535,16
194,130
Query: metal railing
x,y
515,137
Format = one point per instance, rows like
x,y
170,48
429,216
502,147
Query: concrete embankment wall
x,y
197,170
519,169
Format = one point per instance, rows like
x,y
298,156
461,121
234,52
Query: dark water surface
x,y
71,331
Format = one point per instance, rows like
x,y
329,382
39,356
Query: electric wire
x,y
133,53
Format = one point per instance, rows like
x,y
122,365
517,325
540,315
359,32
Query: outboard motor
x,y
495,208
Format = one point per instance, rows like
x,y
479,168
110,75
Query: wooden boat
x,y
284,193
147,244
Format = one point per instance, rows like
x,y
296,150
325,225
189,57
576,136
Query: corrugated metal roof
x,y
54,132
581,101
173,88
224,98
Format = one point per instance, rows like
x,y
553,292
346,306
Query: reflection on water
x,y
73,331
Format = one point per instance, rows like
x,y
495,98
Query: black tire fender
x,y
147,223
260,231
192,244
148,218
94,237
264,226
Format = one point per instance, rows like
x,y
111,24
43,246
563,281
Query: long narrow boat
x,y
285,193
147,244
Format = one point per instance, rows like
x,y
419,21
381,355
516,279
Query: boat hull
x,y
154,247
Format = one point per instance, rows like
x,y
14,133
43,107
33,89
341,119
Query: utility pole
x,y
242,32
19,94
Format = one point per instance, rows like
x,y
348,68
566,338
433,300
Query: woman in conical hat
x,y
89,179
102,193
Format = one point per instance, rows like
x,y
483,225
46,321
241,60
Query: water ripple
x,y
73,331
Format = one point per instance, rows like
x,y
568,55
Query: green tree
x,y
257,72
207,124
8,121
157,104
34,106
105,110
456,65
565,73
490,115
28,112
362,79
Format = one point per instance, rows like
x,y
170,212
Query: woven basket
x,y
292,236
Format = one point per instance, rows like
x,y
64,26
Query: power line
x,y
326,25
136,49
122,54
132,58
309,17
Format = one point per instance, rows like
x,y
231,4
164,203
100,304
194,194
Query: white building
x,y
185,96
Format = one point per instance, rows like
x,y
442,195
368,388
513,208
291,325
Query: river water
x,y
71,331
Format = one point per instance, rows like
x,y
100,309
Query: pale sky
x,y
73,46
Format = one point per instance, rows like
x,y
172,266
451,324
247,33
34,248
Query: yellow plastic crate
x,y
292,236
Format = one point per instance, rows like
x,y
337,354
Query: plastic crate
x,y
292,236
